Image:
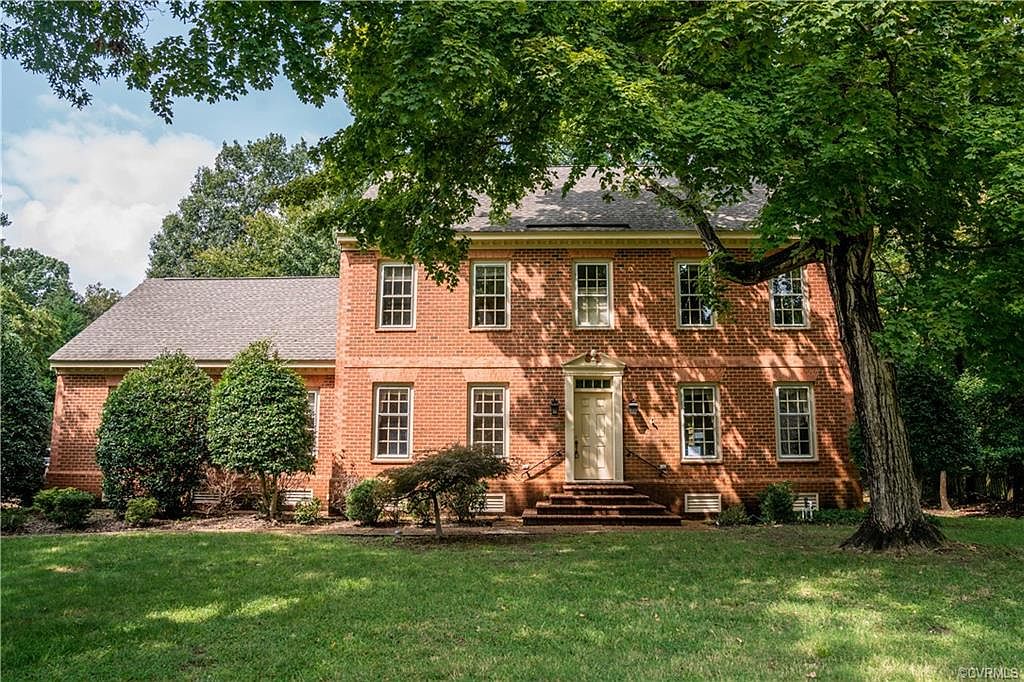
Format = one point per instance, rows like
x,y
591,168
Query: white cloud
x,y
92,195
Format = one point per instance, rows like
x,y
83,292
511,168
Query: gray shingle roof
x,y
212,319
584,207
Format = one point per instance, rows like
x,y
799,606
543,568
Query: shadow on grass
x,y
771,602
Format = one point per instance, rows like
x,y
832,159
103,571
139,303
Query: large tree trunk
x,y
895,519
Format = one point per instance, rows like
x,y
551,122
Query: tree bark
x,y
944,492
895,519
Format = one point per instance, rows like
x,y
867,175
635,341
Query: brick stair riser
x,y
570,500
666,520
563,509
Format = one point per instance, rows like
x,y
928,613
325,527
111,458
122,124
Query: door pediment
x,y
594,362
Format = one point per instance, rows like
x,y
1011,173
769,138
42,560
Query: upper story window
x,y
789,302
593,294
313,397
699,422
692,311
392,422
794,418
490,296
488,419
396,304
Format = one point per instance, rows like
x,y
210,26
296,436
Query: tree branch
x,y
784,260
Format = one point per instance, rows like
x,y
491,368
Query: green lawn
x,y
750,602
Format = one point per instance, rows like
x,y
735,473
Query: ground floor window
x,y
699,422
488,418
794,417
313,397
393,422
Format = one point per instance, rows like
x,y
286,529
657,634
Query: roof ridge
x,y
225,279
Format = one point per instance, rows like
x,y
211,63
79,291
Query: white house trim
x,y
600,366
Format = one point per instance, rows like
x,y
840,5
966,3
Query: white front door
x,y
593,452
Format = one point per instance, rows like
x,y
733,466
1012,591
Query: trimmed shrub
x,y
419,507
152,440
454,468
465,502
365,502
259,421
777,503
140,511
736,515
24,421
306,513
13,519
67,507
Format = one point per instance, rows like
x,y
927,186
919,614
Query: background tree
x,y
152,437
863,122
24,422
259,421
241,183
97,300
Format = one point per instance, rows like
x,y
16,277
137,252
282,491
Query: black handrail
x,y
662,469
528,468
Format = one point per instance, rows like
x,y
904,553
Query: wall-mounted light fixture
x,y
553,405
633,406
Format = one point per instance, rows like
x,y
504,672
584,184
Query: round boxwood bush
x,y
68,507
365,502
24,422
140,511
259,421
152,440
736,515
777,503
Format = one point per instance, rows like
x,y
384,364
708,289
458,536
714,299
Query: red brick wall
x,y
743,355
78,407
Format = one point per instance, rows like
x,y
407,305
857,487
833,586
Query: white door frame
x,y
596,366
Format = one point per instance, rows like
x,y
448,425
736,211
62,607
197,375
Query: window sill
x,y
489,329
694,460
395,329
391,460
785,327
796,460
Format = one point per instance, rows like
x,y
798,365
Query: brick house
x,y
576,343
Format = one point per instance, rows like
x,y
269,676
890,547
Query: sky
x,y
91,186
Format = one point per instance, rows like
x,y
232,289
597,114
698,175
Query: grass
x,y
737,603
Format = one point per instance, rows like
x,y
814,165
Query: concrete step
x,y
532,518
598,488
650,509
569,499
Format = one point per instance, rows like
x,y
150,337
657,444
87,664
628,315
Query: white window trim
x,y
679,294
472,295
805,299
718,426
469,412
316,418
380,296
575,295
778,424
376,405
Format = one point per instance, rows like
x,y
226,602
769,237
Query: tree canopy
x,y
242,183
24,421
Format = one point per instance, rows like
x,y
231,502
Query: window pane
x,y
396,297
699,422
592,295
490,296
311,397
393,422
793,404
788,299
488,419
692,310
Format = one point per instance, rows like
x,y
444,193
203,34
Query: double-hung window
x,y
490,296
593,294
789,302
396,299
488,419
692,310
392,422
313,397
794,418
699,423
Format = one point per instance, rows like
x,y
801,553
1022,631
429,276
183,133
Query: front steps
x,y
599,504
